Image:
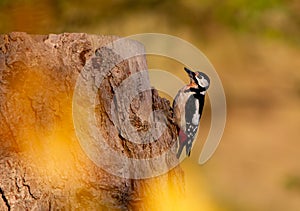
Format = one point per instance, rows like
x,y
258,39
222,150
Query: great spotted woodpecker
x,y
187,106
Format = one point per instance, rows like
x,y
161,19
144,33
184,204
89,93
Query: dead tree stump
x,y
43,166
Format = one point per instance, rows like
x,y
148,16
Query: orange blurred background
x,y
255,48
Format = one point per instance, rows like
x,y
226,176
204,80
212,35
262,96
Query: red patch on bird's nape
x,y
182,136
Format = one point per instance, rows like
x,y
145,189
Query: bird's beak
x,y
190,73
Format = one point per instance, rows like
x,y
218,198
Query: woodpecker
x,y
187,106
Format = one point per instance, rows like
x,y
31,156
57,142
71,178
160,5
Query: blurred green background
x,y
255,48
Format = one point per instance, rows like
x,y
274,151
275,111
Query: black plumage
x,y
188,107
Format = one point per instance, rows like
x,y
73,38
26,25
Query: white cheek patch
x,y
202,82
198,81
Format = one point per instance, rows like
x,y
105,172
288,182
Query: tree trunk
x,y
44,165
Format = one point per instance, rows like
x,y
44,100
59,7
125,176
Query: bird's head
x,y
198,80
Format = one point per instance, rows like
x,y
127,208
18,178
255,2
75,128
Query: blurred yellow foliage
x,y
254,46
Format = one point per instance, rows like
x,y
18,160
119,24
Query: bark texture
x,y
42,164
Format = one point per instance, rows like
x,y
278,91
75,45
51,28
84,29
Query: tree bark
x,y
43,166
